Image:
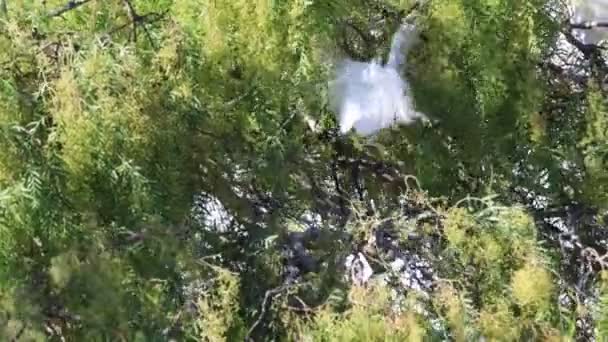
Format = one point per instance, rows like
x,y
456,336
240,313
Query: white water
x,y
369,96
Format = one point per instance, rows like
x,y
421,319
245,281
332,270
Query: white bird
x,y
369,96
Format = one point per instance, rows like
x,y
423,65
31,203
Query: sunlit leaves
x,y
594,146
108,128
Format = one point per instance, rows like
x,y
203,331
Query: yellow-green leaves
x,y
110,122
62,268
497,322
452,306
457,223
368,319
217,309
450,20
532,286
489,238
594,146
497,247
601,314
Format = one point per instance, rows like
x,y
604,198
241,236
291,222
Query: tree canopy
x,y
172,170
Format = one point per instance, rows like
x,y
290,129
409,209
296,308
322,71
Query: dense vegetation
x,y
123,123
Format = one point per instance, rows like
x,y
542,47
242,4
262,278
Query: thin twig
x,y
70,5
134,17
265,303
19,333
140,19
591,52
149,36
588,25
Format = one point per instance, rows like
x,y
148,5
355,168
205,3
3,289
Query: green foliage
x,y
602,312
595,149
115,114
369,319
217,317
17,318
495,282
499,243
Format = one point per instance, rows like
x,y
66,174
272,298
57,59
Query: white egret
x,y
370,96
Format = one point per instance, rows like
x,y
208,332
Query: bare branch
x,y
588,25
134,17
70,5
591,52
265,303
137,19
19,333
